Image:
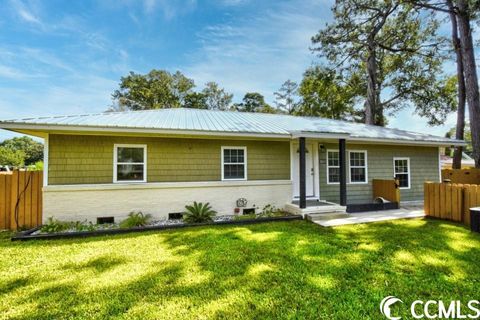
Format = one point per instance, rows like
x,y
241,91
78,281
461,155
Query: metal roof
x,y
210,121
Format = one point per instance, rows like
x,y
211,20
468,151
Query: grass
x,y
272,270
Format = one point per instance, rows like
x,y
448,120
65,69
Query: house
x,y
157,161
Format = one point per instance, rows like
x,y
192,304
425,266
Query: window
x,y
401,171
234,163
130,163
358,166
333,167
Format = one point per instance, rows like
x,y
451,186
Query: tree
x,y
467,137
462,13
217,98
394,47
31,150
324,93
156,90
286,97
465,15
196,100
460,128
254,102
9,157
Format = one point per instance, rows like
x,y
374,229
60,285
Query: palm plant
x,y
135,219
198,213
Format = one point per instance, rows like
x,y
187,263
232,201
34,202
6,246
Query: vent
x,y
105,220
248,211
175,215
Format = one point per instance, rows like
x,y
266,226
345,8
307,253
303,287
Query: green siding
x,y
76,159
423,167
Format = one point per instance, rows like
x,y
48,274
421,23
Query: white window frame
x,y
408,168
244,161
115,163
328,166
350,167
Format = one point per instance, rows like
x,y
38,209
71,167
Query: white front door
x,y
309,170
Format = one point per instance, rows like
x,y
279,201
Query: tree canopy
x,y
216,98
254,102
325,94
394,48
21,151
160,89
286,98
156,90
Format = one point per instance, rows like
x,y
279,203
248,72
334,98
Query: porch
x,y
319,169
407,211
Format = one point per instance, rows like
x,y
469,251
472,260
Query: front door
x,y
309,170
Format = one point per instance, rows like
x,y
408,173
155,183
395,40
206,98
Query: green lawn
x,y
271,270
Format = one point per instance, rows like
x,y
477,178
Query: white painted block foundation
x,y
87,202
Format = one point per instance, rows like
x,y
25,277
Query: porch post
x,y
343,171
302,180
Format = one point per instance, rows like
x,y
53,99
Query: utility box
x,y
475,219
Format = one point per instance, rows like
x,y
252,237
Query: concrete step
x,y
326,216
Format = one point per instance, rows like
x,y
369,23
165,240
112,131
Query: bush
x,y
83,226
135,219
269,211
54,225
198,213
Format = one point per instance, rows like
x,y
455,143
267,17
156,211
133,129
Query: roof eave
x,y
24,127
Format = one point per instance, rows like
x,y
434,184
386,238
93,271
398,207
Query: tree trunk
x,y
371,103
460,128
471,79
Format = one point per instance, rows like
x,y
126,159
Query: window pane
x,y
226,155
401,166
130,155
357,159
403,179
233,156
333,175
333,159
357,174
234,171
130,172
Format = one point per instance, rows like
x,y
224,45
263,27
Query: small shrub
x,y
54,225
135,219
269,211
83,226
198,213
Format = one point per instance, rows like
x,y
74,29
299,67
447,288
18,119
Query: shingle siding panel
x,y
76,159
423,167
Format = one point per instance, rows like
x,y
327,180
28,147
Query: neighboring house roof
x,y
209,122
447,161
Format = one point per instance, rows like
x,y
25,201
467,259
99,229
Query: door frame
x,y
316,164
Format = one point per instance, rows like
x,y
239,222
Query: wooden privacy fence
x,y
463,176
451,201
20,199
387,189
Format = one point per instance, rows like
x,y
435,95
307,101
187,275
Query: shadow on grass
x,y
100,264
272,270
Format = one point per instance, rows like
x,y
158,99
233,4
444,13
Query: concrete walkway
x,y
370,216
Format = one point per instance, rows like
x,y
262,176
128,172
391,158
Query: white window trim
x,y
115,163
350,167
328,166
408,167
244,161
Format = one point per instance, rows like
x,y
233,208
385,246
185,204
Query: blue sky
x,y
66,57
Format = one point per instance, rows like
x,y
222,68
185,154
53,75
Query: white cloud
x,y
258,52
26,13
